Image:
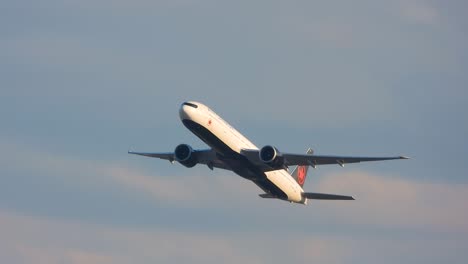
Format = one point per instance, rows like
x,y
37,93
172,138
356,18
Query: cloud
x,y
382,200
195,190
390,201
325,232
419,11
43,240
21,253
28,239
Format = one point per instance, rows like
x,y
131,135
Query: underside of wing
x,y
291,159
314,160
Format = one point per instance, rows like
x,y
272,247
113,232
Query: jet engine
x,y
184,155
271,156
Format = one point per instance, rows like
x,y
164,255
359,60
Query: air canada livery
x,y
267,167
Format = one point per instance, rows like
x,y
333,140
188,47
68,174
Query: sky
x,y
82,82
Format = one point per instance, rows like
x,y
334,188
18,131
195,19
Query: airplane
x,y
266,167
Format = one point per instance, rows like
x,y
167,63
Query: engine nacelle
x,y
271,156
184,155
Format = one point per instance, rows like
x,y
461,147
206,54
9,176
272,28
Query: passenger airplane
x,y
266,167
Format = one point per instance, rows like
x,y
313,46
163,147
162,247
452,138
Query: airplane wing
x,y
205,156
291,159
314,160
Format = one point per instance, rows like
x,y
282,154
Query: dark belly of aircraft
x,y
238,163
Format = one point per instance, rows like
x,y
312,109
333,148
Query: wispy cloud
x,y
22,253
388,201
194,190
383,202
43,240
391,201
419,11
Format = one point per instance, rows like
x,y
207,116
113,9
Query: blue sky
x,y
84,81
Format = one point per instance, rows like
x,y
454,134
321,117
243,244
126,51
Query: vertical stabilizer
x,y
300,172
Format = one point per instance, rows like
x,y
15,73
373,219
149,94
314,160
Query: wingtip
x,y
404,157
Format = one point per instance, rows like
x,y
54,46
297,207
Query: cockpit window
x,y
191,105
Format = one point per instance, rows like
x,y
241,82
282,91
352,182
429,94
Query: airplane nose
x,y
183,112
188,110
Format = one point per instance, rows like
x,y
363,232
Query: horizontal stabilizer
x,y
266,195
324,196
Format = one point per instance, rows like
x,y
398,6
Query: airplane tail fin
x,y
300,172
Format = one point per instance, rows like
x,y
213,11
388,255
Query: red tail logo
x,y
301,174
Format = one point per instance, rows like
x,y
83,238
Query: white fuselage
x,y
228,142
